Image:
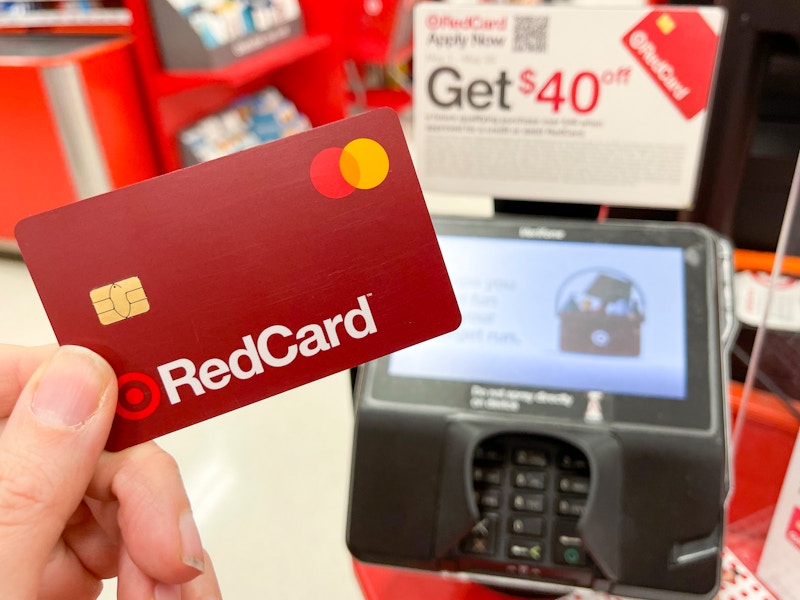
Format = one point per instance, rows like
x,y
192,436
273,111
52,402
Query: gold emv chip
x,y
119,300
666,24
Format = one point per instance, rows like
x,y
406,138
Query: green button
x,y
535,552
572,556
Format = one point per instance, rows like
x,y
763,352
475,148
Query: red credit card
x,y
678,49
215,286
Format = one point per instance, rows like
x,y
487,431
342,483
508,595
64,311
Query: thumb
x,y
48,453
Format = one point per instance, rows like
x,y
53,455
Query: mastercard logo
x,y
362,164
139,396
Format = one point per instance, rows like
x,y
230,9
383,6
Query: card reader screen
x,y
562,315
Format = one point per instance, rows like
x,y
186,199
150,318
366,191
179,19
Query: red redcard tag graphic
x,y
677,49
216,286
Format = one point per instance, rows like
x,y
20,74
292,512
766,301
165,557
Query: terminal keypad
x,y
531,495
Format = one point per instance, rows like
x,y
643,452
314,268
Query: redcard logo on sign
x,y
678,50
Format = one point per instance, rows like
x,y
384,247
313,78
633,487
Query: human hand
x,y
72,514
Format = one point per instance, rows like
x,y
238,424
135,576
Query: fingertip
x,y
100,362
191,546
71,387
204,586
155,517
105,372
166,591
49,450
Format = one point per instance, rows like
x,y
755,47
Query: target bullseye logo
x,y
362,164
139,396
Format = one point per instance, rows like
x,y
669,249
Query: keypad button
x,y
533,526
493,454
528,502
567,545
573,462
571,507
534,480
481,540
526,550
488,498
572,484
476,545
570,540
491,476
529,458
569,555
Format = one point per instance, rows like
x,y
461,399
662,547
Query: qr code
x,y
530,34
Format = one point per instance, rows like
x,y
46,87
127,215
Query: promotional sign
x,y
601,106
216,286
778,565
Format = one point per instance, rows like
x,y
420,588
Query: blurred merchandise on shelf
x,y
62,14
201,34
250,121
220,22
306,68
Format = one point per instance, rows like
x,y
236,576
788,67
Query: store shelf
x,y
306,68
66,18
399,100
246,70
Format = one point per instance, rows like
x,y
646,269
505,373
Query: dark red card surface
x,y
216,286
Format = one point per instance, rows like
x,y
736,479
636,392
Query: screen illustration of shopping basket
x,y
601,312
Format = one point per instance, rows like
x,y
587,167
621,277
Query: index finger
x,y
154,514
17,365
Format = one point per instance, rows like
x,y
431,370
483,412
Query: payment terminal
x,y
573,431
